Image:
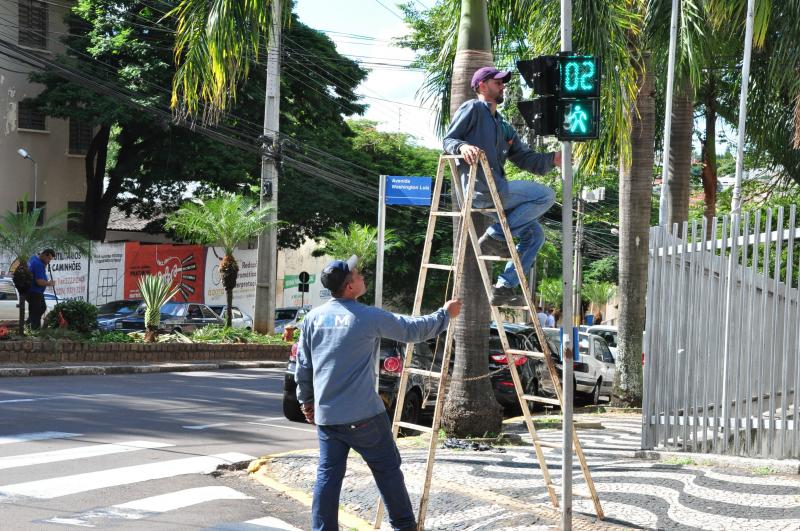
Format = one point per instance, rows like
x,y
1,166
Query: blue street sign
x,y
408,190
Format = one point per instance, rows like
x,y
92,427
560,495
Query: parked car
x,y
291,315
593,374
109,313
421,392
9,301
239,319
608,333
182,317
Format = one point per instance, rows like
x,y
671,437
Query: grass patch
x,y
764,471
679,461
222,334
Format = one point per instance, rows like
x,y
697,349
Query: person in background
x,y
540,313
336,387
551,319
35,295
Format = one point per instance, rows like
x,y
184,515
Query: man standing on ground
x,y
36,305
335,377
551,319
540,313
478,126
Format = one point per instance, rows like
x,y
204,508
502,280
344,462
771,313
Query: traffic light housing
x,y
567,87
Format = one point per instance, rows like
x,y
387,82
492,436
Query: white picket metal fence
x,y
722,342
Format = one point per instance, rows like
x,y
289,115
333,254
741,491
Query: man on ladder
x,y
478,126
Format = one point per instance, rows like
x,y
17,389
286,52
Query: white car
x,y
594,373
239,319
607,332
9,301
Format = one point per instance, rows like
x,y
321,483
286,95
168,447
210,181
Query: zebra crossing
x,y
42,473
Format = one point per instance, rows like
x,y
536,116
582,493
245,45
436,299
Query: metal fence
x,y
722,342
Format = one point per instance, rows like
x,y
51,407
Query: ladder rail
x,y
539,333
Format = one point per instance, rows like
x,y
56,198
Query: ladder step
x,y
444,267
483,210
528,353
423,372
512,307
543,400
416,427
494,258
548,444
446,213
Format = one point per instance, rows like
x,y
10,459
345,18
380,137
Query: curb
x,y
91,370
257,470
775,466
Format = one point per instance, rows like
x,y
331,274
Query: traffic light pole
x,y
266,268
568,313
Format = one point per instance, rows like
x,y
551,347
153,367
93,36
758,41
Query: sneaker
x,y
492,247
506,296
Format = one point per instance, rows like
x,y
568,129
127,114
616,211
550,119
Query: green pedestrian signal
x,y
567,103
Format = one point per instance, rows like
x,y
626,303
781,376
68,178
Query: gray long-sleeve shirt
x,y
474,124
335,357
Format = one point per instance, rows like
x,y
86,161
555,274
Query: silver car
x,y
239,319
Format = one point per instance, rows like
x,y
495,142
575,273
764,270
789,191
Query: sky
x,y
363,30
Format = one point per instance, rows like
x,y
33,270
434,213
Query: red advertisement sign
x,y
183,265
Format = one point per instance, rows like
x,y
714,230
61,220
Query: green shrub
x,y
59,334
79,316
99,336
222,334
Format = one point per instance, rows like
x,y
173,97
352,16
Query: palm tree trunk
x,y
228,272
471,408
680,157
636,180
709,149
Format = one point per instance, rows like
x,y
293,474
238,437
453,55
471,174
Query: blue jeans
x,y
524,203
372,438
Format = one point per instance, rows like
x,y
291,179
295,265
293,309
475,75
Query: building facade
x,y
54,170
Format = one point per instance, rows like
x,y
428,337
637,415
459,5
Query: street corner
x,y
275,478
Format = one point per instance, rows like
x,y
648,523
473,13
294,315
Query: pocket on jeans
x,y
366,432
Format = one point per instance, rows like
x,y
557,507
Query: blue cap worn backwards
x,y
335,272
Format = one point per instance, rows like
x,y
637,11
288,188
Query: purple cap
x,y
335,272
489,72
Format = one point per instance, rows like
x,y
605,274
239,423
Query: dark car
x,y
421,391
109,313
175,317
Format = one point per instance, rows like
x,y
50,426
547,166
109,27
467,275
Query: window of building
x,y
33,23
75,217
39,204
80,137
29,118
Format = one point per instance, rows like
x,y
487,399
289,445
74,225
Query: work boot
x,y
506,296
492,247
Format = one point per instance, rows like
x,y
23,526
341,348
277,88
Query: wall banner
x,y
107,273
182,265
70,270
244,294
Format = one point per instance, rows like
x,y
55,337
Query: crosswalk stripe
x,y
271,523
66,485
138,509
39,436
81,452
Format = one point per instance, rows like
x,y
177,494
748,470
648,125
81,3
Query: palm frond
x,y
23,235
359,240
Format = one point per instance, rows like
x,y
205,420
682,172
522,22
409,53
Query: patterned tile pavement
x,y
496,490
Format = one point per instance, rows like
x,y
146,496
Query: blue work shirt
x,y
336,356
474,124
39,271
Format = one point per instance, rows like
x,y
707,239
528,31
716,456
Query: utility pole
x,y
266,270
663,202
578,272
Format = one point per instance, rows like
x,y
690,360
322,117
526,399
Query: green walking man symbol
x,y
577,120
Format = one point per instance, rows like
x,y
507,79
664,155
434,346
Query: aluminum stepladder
x,y
468,232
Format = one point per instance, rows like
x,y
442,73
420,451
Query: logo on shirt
x,y
333,321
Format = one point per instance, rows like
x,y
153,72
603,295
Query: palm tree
x,y
24,234
223,221
359,240
551,291
156,291
598,294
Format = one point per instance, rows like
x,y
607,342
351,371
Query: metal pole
x,y
736,202
569,317
35,183
663,203
381,237
266,269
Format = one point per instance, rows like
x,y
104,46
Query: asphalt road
x,y
136,451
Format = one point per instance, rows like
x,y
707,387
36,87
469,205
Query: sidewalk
x,y
99,368
497,490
